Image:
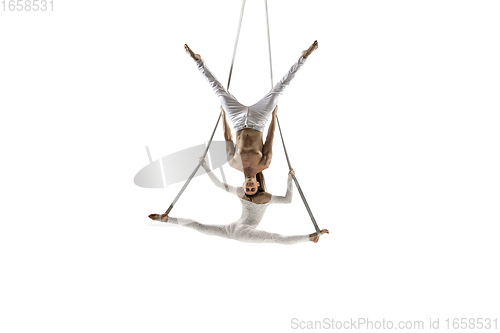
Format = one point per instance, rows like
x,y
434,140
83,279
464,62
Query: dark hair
x,y
262,184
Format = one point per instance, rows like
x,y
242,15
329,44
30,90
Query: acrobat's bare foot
x,y
158,217
310,50
315,238
193,55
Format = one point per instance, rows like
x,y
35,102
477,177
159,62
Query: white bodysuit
x,y
244,229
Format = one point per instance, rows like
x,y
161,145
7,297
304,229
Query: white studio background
x,y
391,126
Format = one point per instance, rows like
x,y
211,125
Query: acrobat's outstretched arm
x,y
228,136
289,191
267,150
228,188
230,148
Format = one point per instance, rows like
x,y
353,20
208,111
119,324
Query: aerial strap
x,y
220,114
281,134
236,42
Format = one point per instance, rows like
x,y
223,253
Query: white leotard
x,y
244,229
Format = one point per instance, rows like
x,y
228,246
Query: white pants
x,y
257,115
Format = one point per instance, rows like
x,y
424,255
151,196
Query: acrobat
x,y
250,155
244,229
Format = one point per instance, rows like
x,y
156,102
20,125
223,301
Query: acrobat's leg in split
x,y
236,111
261,110
214,230
251,235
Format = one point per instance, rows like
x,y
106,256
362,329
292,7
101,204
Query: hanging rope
x,y
218,119
236,43
269,47
279,127
194,171
281,134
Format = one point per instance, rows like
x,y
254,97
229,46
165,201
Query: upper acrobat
x,y
250,155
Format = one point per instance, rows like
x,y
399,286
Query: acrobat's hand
x,y
275,111
292,172
158,217
203,162
315,238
